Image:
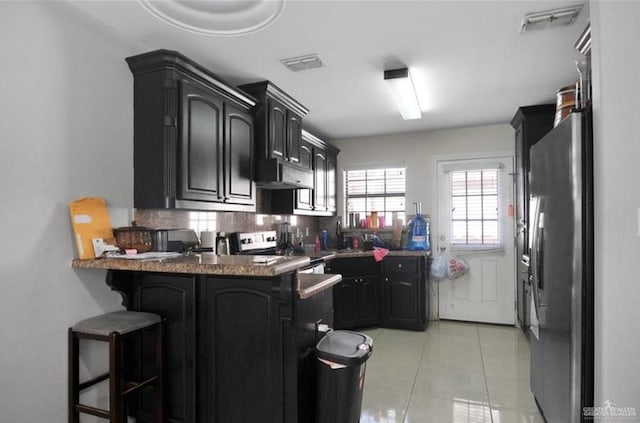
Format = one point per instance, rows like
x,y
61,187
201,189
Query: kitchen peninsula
x,y
240,335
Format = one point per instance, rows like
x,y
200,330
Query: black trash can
x,y
342,357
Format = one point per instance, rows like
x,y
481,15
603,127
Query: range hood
x,y
280,174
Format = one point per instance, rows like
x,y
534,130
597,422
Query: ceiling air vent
x,y
550,18
308,61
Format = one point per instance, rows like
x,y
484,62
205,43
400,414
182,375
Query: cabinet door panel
x,y
304,196
239,161
277,129
294,136
173,297
400,299
369,300
332,166
201,144
242,326
345,304
320,181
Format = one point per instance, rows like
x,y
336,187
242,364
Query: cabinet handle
x,y
399,265
386,279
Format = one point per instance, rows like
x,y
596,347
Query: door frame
x,y
435,229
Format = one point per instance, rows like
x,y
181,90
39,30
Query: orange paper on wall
x,y
90,219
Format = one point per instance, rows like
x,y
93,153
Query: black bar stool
x,y
114,328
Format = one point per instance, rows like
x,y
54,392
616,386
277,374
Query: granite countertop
x,y
360,253
310,284
203,263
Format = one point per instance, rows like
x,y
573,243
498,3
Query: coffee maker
x,y
285,244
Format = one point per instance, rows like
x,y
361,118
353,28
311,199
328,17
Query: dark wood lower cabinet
x,y
400,308
241,352
172,297
392,294
345,303
357,302
237,350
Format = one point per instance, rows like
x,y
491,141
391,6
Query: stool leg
x,y
160,372
115,393
74,378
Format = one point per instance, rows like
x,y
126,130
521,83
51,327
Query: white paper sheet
x,y
152,255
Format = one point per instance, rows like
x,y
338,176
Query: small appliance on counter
x,y
222,244
176,240
285,244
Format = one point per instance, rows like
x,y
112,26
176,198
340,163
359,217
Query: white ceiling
x,y
467,57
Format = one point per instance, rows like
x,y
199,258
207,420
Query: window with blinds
x,y
475,199
381,190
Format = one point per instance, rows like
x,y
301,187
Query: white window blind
x,y
380,189
475,208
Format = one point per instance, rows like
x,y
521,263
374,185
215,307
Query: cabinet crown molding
x,y
163,59
274,91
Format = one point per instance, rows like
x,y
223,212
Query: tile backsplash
x,y
225,221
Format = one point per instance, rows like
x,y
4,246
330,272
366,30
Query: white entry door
x,y
475,222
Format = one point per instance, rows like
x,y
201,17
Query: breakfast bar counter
x,y
200,264
240,332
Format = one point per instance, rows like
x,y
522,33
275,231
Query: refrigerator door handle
x,y
536,268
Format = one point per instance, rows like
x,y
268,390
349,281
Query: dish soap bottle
x,y
418,231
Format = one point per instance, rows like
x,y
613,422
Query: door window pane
x,y
475,203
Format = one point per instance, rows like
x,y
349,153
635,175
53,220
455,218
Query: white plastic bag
x,y
456,267
439,267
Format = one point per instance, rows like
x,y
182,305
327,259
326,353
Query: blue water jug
x,y
418,231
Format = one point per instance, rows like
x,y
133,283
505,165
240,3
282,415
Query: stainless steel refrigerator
x,y
561,248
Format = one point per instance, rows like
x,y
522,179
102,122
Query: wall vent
x,y
550,18
308,61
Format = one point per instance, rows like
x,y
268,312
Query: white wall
x,y
66,104
616,91
419,151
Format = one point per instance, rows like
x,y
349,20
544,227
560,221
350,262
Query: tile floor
x,y
452,373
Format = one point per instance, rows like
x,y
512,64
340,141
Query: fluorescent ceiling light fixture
x,y
225,18
403,92
308,61
550,18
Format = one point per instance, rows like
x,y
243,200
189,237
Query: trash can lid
x,y
345,347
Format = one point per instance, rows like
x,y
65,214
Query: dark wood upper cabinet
x,y
239,133
279,122
201,143
320,180
304,197
276,145
322,158
332,182
193,137
294,136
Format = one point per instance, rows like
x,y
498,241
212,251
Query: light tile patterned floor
x,y
452,373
